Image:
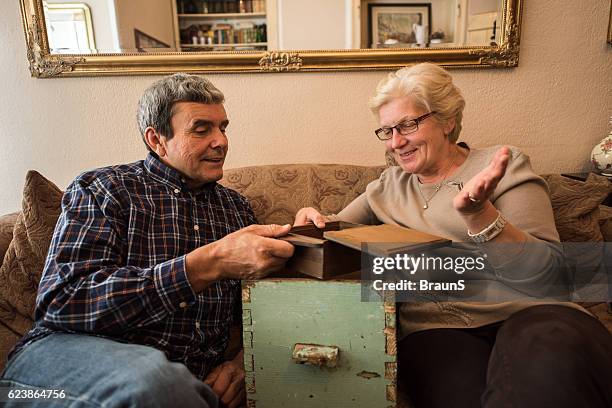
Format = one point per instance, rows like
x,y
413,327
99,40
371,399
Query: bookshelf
x,y
229,25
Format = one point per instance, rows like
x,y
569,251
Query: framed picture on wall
x,y
399,25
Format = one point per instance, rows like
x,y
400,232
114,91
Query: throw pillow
x,y
576,206
605,222
24,260
7,224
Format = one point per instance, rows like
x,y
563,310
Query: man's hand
x,y
249,253
227,381
309,214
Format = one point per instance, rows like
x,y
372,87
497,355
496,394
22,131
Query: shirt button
x,y
176,191
183,305
197,325
196,227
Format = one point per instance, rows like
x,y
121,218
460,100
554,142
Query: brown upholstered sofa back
x,y
276,192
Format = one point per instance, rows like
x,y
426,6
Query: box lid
x,y
385,239
378,240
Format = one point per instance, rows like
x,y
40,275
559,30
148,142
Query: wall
x,y
314,24
555,106
483,6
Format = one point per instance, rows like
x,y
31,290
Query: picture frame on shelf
x,y
399,25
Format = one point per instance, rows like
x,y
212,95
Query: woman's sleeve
x,y
522,197
539,263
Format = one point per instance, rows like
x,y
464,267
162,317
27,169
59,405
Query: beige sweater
x,y
521,196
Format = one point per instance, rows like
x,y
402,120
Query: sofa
x,y
275,192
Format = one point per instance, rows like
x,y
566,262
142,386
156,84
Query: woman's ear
x,y
449,126
155,141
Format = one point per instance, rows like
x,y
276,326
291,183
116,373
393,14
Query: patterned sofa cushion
x,y
576,206
605,222
7,223
24,260
276,192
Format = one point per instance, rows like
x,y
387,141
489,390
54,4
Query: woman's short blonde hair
x,y
430,87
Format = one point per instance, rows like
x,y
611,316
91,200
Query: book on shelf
x,y
220,6
259,6
219,33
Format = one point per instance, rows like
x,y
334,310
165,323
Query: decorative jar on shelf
x,y
601,156
420,34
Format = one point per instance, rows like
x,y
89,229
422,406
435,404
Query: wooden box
x,y
318,257
336,249
312,343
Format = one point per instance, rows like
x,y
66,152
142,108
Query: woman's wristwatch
x,y
490,231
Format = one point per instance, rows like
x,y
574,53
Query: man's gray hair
x,y
155,107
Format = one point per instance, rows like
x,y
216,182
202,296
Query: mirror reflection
x,y
150,26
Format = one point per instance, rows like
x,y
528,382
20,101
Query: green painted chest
x,y
311,343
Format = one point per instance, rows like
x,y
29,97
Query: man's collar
x,y
167,174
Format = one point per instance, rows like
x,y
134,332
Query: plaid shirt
x,y
116,264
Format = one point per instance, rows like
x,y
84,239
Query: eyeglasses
x,y
405,127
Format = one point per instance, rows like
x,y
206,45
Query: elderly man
x,y
141,283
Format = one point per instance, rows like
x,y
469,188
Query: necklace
x,y
437,187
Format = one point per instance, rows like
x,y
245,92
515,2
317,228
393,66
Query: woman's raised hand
x,y
473,197
309,214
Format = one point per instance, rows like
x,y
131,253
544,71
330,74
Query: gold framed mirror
x,y
199,47
610,27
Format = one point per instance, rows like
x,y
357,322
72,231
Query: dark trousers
x,y
543,356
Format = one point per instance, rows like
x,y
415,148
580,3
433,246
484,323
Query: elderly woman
x,y
471,354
